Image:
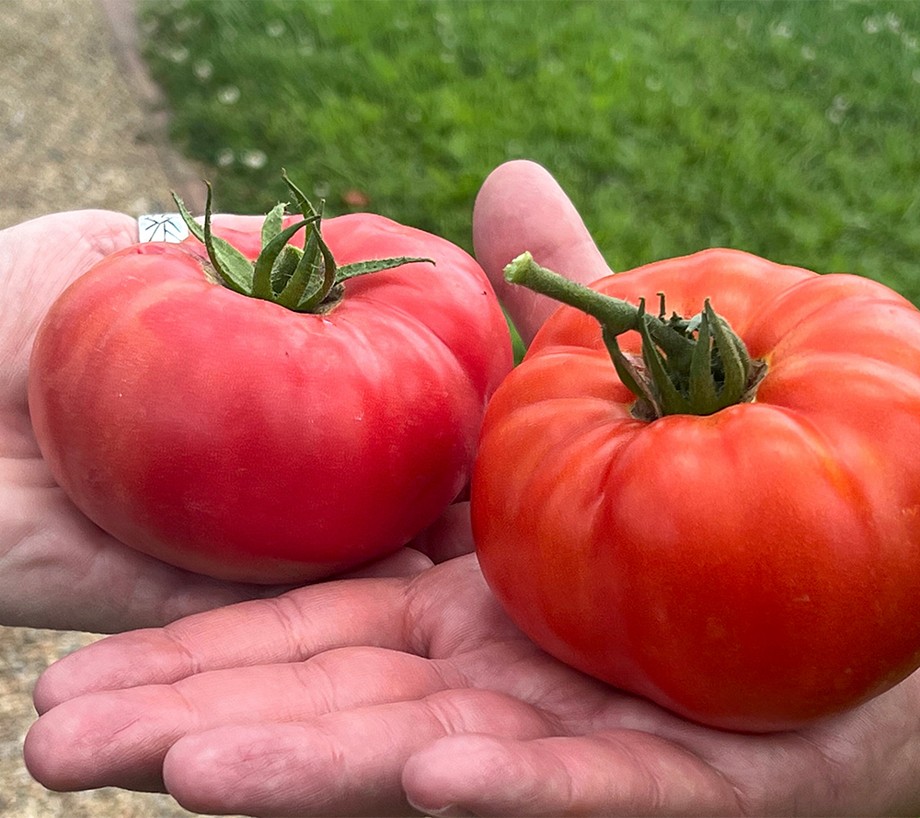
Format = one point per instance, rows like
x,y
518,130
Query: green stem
x,y
687,366
307,280
616,316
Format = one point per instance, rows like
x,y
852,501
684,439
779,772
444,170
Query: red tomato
x,y
753,569
237,438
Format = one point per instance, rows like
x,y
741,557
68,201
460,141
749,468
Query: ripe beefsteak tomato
x,y
243,439
754,566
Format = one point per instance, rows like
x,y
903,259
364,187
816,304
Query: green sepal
x,y
629,374
326,265
264,264
360,268
273,224
285,267
694,366
317,262
307,280
735,362
293,287
668,397
233,268
306,206
701,388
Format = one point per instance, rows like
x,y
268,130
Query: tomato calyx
x,y
304,280
687,366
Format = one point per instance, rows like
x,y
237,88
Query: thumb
x,y
522,207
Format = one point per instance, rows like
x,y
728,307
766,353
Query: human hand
x,y
365,697
60,570
521,207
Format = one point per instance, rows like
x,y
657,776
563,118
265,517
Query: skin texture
x,y
234,437
357,697
713,563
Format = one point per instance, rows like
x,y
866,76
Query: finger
x,y
346,763
402,614
120,738
521,207
618,773
289,628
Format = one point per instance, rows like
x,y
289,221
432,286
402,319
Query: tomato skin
x,y
236,438
755,569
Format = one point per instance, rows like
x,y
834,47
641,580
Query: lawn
x,y
788,129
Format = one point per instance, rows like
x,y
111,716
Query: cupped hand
x,y
57,569
373,696
378,695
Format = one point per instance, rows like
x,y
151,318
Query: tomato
x,y
238,438
754,568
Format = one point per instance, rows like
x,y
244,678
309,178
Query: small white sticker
x,y
161,227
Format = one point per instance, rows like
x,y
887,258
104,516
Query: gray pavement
x,y
81,126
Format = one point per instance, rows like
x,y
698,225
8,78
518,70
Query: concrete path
x,y
80,126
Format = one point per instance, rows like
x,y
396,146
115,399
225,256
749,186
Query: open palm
x,y
363,696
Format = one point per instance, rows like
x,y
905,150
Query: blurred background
x,y
787,129
784,128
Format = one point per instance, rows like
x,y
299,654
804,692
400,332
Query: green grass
x,y
788,129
